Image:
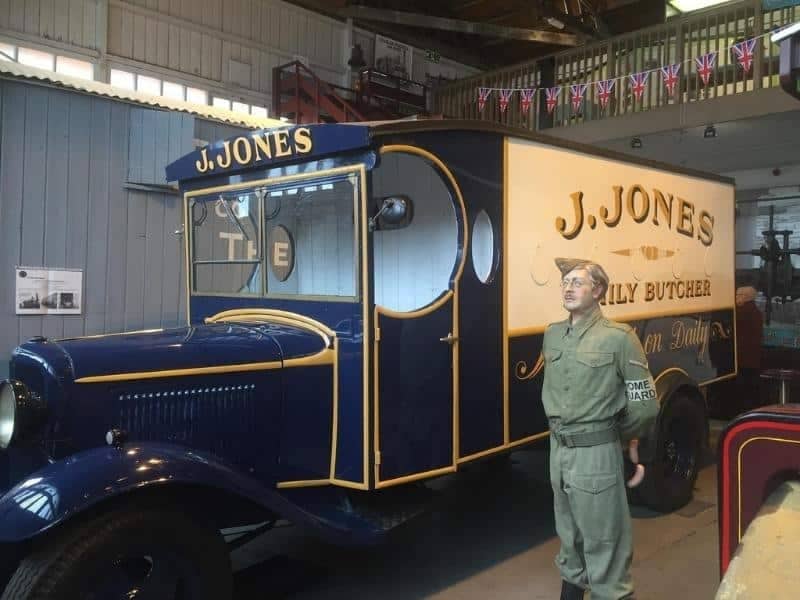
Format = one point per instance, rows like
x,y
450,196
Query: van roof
x,y
385,128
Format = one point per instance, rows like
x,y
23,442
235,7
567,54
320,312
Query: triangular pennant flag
x,y
605,89
483,96
670,76
705,66
552,98
576,96
505,96
744,53
526,99
638,83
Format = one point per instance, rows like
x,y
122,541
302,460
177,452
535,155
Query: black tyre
x,y
670,478
143,553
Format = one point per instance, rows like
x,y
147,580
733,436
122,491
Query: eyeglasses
x,y
575,282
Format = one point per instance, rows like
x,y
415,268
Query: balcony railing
x,y
680,40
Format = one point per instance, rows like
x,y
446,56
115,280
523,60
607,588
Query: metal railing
x,y
679,40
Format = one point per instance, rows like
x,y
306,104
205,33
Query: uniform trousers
x,y
592,516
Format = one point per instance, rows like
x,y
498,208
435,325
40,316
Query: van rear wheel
x,y
670,478
131,552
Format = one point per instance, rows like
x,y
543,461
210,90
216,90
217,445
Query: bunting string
x,y
704,67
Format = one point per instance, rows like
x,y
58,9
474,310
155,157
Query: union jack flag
x,y
605,89
670,76
705,66
638,83
526,99
483,96
744,53
576,93
505,97
552,98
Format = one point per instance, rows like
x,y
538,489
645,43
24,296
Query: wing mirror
x,y
395,212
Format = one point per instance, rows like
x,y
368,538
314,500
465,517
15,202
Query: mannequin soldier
x,y
598,392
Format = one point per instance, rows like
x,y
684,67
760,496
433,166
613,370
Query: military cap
x,y
597,273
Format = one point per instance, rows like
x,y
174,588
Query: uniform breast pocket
x,y
595,370
551,356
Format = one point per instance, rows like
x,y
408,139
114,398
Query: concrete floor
x,y
491,536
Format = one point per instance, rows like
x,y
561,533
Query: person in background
x,y
749,334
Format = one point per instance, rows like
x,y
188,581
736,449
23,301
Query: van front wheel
x,y
126,553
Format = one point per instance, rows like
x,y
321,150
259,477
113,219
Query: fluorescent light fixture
x,y
555,22
691,5
785,33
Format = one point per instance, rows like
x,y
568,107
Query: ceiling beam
x,y
485,29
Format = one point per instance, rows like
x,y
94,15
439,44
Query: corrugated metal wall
x,y
65,159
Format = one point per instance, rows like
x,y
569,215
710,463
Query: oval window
x,y
483,247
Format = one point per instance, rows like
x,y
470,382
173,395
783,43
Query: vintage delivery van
x,y
366,305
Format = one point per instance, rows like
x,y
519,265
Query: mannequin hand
x,y
637,474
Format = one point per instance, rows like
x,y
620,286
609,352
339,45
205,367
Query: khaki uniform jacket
x,y
598,371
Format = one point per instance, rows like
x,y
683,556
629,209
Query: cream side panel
x,y
643,260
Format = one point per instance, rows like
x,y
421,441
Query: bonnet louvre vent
x,y
214,418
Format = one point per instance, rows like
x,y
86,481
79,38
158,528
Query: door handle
x,y
449,339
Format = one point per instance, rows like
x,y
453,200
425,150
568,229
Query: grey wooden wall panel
x,y
12,132
210,132
157,137
154,254
34,144
64,161
117,219
161,144
70,21
135,164
55,167
77,202
148,172
172,280
135,256
95,280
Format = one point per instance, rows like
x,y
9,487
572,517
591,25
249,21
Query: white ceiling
x,y
768,141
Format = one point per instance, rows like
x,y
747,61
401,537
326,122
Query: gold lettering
x,y
706,235
649,291
204,166
613,221
652,343
685,336
262,143
240,158
661,202
561,222
281,143
681,289
302,140
227,162
684,216
631,202
707,287
632,291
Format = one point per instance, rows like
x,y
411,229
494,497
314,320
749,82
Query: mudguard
x,y
64,489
